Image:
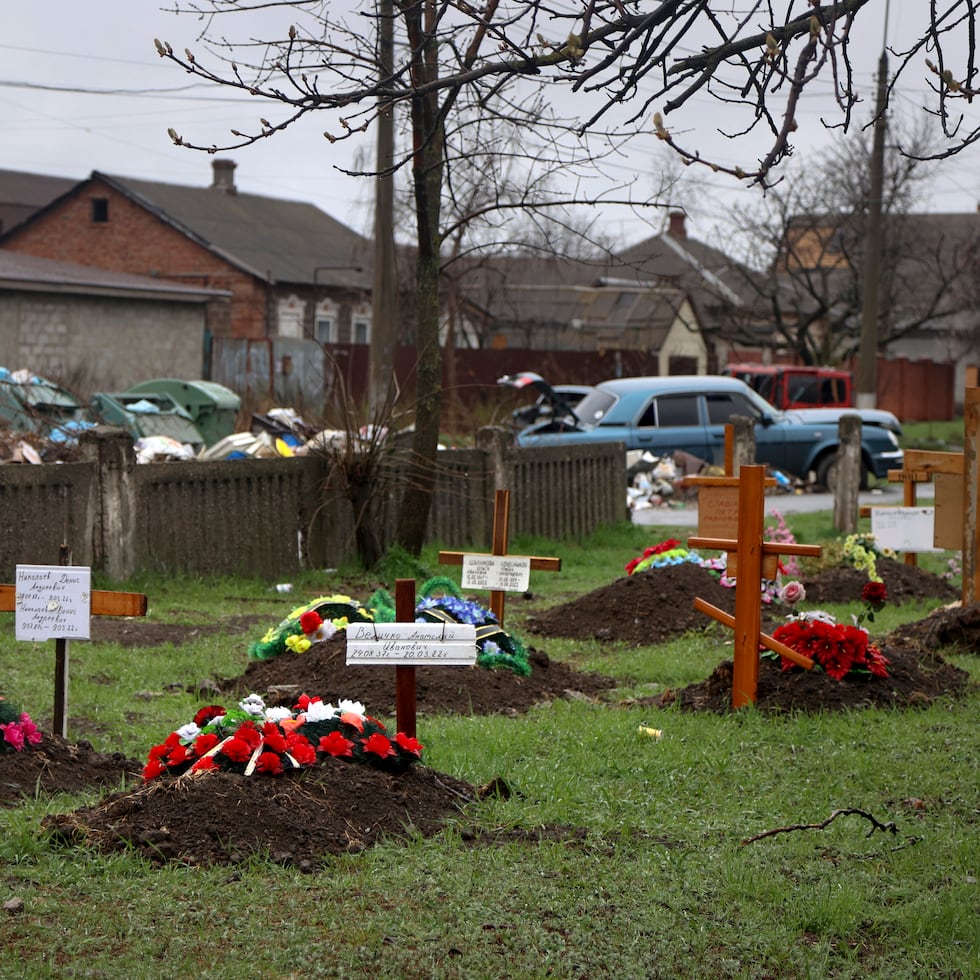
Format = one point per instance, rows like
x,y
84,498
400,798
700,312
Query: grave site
x,y
221,815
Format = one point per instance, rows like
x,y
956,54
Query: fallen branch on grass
x,y
875,825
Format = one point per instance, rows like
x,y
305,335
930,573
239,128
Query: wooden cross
x,y
752,553
957,477
501,519
102,604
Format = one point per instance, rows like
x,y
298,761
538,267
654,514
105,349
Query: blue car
x,y
689,412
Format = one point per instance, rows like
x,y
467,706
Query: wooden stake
x,y
405,707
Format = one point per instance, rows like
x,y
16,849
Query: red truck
x,y
789,386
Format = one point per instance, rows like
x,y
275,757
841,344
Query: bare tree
x,y
620,60
808,237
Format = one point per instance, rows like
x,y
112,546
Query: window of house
x,y
361,331
100,209
290,317
323,330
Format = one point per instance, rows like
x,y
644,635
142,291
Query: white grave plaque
x,y
411,644
53,602
904,528
496,573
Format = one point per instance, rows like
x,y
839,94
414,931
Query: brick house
x,y
292,271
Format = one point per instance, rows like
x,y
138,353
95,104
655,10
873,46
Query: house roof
x,y
28,273
273,239
21,194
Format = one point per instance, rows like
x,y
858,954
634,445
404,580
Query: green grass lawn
x,y
657,874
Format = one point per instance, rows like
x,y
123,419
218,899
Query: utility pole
x,y
867,374
384,329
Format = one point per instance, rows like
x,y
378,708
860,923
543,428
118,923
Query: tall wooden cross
x,y
102,604
501,520
752,553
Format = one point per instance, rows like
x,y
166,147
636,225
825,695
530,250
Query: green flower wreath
x,y
299,629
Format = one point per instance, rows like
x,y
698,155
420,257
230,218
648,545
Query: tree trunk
x,y
427,167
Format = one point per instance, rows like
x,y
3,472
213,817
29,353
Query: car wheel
x,y
827,473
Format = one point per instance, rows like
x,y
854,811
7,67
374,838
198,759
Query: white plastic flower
x,y
819,614
350,707
318,711
324,631
188,732
277,714
253,705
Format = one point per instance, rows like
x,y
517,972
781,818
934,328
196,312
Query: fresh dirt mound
x,y
658,605
905,583
59,766
438,690
916,677
643,609
296,820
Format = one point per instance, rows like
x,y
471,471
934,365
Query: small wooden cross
x,y
501,520
102,603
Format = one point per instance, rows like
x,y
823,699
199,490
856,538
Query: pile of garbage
x,y
169,419
665,481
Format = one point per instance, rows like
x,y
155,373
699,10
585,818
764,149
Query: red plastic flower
x,y
274,739
237,749
336,744
248,733
208,714
205,743
302,751
310,621
269,763
204,764
177,755
379,745
153,768
408,744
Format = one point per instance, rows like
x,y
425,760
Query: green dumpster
x,y
212,408
147,414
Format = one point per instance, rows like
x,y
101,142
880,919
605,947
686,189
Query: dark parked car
x,y
689,413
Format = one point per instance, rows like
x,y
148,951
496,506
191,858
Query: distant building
x,y
93,329
292,270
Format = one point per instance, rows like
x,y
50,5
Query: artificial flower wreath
x,y
841,650
272,740
308,624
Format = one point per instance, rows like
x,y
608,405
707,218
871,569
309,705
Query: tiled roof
x,y
21,194
285,241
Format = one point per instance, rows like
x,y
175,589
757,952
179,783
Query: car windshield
x,y
594,406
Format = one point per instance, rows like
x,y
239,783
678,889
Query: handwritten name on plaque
x,y
53,602
413,644
498,573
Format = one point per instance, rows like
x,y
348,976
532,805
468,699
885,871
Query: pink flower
x,y
792,593
13,735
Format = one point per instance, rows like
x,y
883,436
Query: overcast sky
x,y
61,59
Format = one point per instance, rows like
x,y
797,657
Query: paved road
x,y
888,495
